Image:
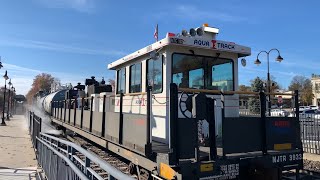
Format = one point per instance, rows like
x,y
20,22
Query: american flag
x,y
155,35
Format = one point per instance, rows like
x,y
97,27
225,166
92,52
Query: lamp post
x,y
11,99
13,108
258,62
8,109
4,97
1,66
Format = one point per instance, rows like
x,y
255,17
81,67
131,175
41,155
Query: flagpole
x,y
156,33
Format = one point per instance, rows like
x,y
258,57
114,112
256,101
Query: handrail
x,y
68,161
135,94
283,94
107,96
228,92
215,91
104,165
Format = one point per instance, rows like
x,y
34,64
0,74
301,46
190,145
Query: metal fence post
x,y
296,104
30,122
33,130
87,165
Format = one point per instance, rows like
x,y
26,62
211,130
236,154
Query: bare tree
x,y
304,86
41,82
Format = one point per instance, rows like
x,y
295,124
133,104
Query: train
x,y
174,113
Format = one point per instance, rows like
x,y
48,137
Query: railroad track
x,y
124,166
303,175
113,159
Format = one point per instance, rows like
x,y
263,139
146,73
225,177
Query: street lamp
x,y
258,62
14,101
8,109
4,97
1,66
13,90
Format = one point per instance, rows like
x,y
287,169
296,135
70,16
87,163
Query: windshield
x,y
201,72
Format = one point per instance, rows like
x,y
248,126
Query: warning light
x,y
205,25
171,34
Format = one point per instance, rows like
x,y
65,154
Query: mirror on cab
x,y
154,55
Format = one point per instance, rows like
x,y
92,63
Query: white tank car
x,y
56,96
39,102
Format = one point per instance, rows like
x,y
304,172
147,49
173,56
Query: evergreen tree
x,y
256,86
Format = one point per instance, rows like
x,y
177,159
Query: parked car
x,y
301,108
279,112
309,113
314,107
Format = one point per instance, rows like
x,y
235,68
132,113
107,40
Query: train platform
x,y
17,156
311,157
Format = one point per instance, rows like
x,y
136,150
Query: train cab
x,y
194,60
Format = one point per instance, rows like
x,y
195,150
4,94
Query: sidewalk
x,y
17,156
311,157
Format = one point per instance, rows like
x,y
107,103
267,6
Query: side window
x,y
135,78
121,81
154,74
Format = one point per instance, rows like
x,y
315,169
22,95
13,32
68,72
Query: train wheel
x,y
132,169
144,175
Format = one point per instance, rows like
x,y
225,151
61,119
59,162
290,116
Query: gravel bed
x,y
311,165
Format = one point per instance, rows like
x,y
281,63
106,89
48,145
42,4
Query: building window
x,y
135,78
317,87
154,74
121,81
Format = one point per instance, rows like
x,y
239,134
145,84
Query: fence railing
x,y
310,132
35,123
60,159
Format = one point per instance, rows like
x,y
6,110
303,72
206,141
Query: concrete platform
x,y
17,156
311,157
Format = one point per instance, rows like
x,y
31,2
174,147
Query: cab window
x,y
121,81
202,72
154,74
135,78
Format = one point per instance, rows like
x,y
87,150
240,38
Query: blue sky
x,y
74,39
